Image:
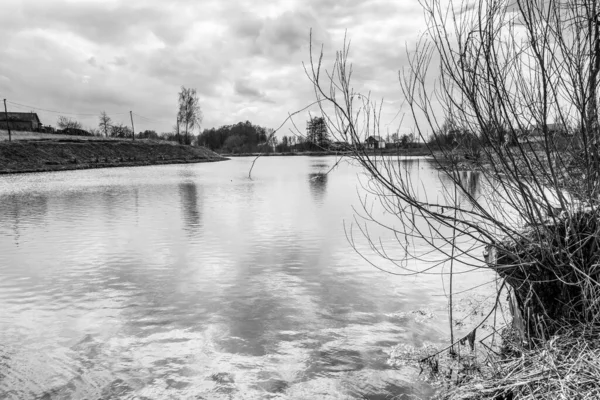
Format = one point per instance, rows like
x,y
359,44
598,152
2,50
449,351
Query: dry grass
x,y
567,366
26,136
22,135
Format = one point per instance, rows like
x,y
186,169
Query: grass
x,y
22,135
38,152
567,366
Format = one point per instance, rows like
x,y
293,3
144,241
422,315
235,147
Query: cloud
x,y
244,57
119,61
243,87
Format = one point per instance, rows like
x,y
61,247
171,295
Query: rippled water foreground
x,y
193,281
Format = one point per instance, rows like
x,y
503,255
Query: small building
x,y
375,142
20,121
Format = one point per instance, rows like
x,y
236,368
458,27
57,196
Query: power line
x,y
58,112
150,119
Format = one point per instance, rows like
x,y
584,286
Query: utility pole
x,y
132,128
178,138
7,124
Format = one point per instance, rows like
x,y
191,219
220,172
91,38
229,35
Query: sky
x,y
244,57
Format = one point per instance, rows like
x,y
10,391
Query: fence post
x,y
132,128
7,124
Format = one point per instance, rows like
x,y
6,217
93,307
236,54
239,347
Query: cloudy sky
x,y
244,57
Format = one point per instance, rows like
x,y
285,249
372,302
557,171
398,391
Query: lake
x,y
194,281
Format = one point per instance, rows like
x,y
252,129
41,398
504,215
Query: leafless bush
x,y
510,72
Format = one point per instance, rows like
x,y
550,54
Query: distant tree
x,y
119,130
170,136
234,144
284,145
67,123
253,135
105,123
94,132
190,115
148,134
316,133
404,140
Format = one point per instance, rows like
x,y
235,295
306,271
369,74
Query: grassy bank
x,y
41,153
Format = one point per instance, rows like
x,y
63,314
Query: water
x,y
193,281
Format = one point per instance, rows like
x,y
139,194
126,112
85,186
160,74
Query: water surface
x,y
193,281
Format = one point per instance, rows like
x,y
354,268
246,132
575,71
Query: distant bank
x,y
39,155
415,152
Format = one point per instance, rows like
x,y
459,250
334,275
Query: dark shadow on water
x,y
408,164
22,210
469,180
472,182
191,206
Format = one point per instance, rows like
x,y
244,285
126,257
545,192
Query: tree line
x,y
245,137
242,137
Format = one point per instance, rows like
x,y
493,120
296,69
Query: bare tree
x,y
189,114
511,74
105,123
67,123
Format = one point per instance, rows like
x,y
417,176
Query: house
x,y
20,121
375,142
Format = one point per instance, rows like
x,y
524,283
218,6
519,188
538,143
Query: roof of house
x,y
19,116
377,138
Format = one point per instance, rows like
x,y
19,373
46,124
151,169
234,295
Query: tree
x,y
253,135
284,145
104,123
405,140
67,123
234,144
120,130
316,133
148,134
505,66
189,114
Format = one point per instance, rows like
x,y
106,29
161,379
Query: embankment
x,y
68,154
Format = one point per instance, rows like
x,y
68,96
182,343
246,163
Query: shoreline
x,y
75,167
417,152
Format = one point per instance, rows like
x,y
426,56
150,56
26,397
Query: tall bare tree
x,y
190,114
104,123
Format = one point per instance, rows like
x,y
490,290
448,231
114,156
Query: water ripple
x,y
192,281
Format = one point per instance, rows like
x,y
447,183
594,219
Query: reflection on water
x,y
18,209
470,181
192,281
191,203
318,185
